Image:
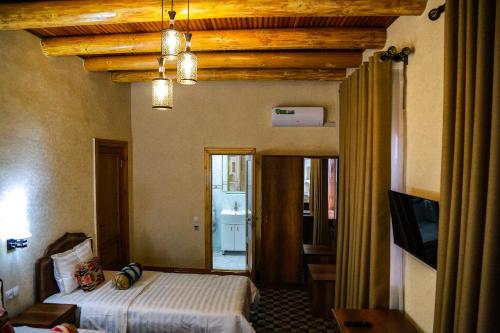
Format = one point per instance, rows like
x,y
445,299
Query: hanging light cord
x,y
161,67
162,25
187,35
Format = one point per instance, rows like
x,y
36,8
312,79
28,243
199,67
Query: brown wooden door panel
x,y
112,203
282,201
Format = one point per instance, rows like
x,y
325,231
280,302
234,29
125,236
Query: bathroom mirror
x,y
234,173
320,200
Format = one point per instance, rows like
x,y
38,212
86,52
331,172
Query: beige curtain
x,y
319,201
468,272
365,177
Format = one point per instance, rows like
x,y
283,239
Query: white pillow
x,y
65,265
84,251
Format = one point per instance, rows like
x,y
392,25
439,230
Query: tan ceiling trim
x,y
221,40
238,74
44,14
326,59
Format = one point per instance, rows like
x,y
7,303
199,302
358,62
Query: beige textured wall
x,y
169,150
424,113
50,111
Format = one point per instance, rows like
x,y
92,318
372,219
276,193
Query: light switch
x,y
196,223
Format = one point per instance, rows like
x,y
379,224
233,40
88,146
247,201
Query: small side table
x,y
321,288
46,315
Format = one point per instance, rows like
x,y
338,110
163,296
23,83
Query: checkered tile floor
x,y
283,310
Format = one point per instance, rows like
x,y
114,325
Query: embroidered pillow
x,y
129,275
89,275
6,328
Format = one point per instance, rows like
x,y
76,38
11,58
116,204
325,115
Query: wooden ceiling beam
x,y
333,74
221,40
327,59
45,14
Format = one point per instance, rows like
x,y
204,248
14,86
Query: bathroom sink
x,y
229,216
232,212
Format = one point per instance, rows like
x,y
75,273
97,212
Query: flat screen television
x,y
415,225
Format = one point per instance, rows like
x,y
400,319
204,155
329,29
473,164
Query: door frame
x,y
124,197
208,201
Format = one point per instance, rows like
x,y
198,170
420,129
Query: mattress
x,y
167,302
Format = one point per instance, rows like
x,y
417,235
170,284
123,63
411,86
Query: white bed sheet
x,y
163,302
26,329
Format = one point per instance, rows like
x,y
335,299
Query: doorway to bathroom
x,y
229,209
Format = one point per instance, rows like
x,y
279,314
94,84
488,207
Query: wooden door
x,y
250,215
112,204
282,204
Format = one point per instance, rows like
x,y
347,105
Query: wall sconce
x,y
19,240
14,225
13,244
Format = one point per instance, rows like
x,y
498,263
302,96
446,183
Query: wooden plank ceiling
x,y
234,39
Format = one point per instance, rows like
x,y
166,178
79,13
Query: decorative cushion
x,y
89,275
65,328
65,264
127,276
6,328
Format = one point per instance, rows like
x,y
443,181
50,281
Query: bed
x,y
158,302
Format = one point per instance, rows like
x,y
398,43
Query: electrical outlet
x,y
12,293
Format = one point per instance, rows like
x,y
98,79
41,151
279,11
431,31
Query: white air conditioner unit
x,y
289,116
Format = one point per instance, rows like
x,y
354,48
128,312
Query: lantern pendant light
x,y
170,38
162,88
163,95
187,62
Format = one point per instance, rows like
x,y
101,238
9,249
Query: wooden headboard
x,y
45,282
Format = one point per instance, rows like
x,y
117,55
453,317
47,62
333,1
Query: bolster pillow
x,y
65,328
129,275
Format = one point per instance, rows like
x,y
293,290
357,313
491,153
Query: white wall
x,y
169,149
424,112
50,111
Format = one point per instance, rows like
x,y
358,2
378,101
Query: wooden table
x,y
321,288
319,250
384,321
45,315
317,254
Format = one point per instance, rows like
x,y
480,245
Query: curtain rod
x,y
435,14
393,54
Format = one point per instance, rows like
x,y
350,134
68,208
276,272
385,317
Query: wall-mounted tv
x,y
415,225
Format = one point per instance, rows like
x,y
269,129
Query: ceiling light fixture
x,y
163,89
163,92
187,62
171,38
